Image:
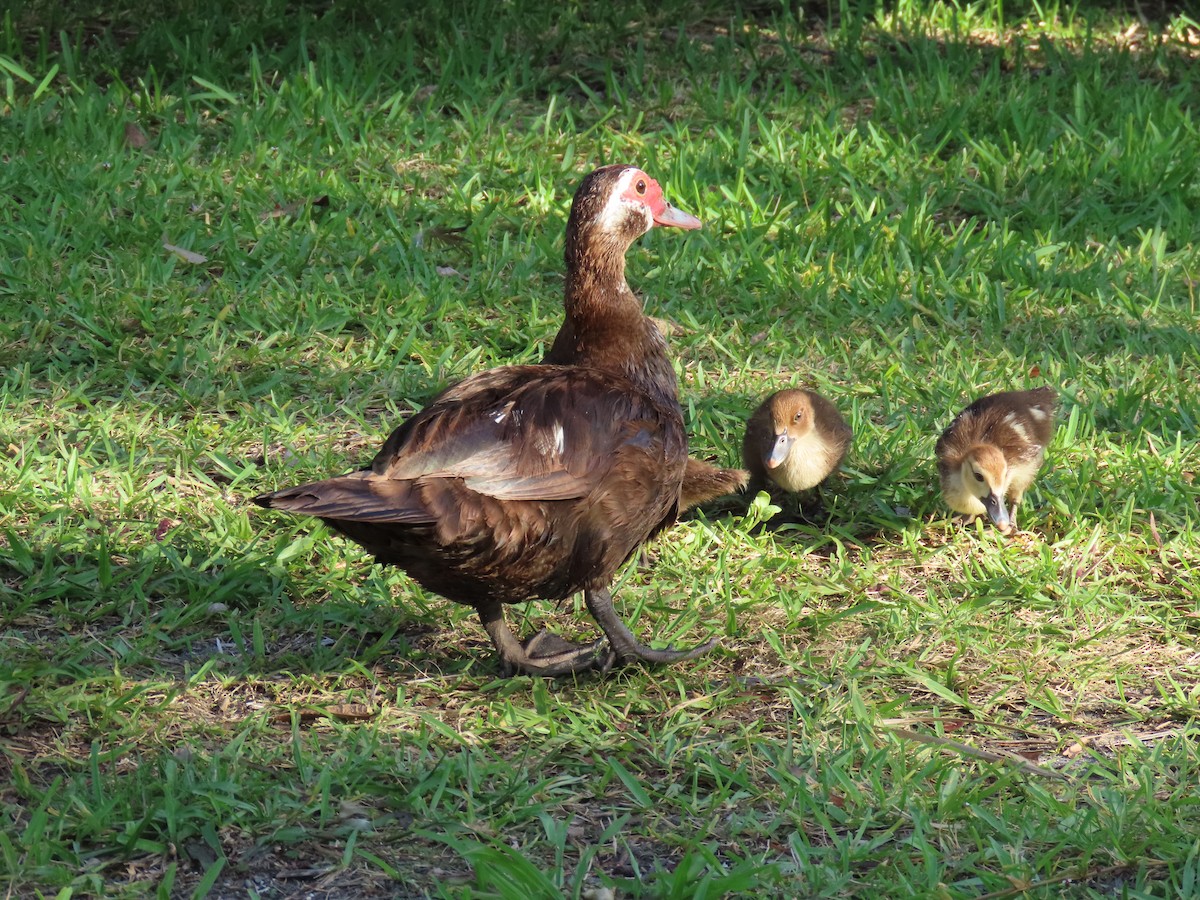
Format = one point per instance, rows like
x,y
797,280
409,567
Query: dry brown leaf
x,y
1158,541
968,750
17,698
350,711
185,254
135,137
347,712
306,715
290,209
440,234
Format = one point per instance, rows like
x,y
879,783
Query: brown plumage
x,y
795,439
528,482
992,452
704,482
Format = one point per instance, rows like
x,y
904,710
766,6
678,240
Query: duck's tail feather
x,y
357,497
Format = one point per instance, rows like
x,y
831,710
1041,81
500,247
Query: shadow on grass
x,y
166,610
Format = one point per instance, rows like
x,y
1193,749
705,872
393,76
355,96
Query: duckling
x,y
702,482
993,450
795,439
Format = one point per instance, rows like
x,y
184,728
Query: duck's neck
x,y
605,327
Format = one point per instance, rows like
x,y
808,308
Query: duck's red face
x,y
636,201
641,189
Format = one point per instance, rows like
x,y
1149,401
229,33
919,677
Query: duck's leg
x,y
554,656
812,508
622,640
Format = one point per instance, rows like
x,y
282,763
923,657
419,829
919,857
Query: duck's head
x,y
791,419
985,474
615,205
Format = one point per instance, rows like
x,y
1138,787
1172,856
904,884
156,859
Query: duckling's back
x,y
1019,423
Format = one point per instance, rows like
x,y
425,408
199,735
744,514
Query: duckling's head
x,y
985,474
791,419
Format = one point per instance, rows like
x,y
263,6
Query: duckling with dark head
x,y
538,481
992,451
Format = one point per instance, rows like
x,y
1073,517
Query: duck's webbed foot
x,y
543,654
622,641
811,509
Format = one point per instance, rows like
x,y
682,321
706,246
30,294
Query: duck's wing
x,y
514,433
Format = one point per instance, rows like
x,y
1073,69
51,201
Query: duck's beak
x,y
994,504
676,218
779,450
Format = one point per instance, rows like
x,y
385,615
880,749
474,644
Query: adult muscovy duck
x,y
538,481
702,481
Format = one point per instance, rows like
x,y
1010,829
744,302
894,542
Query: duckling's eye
x,y
799,416
978,477
640,187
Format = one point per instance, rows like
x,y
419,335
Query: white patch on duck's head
x,y
1037,414
627,200
636,200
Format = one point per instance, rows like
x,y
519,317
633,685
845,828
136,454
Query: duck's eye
x,y
978,477
640,187
798,417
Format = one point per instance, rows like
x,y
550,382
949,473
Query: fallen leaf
x,y
447,271
1035,372
164,526
307,714
284,716
1158,541
312,872
968,750
186,255
290,209
440,234
135,137
350,711
200,853
17,698
351,809
666,327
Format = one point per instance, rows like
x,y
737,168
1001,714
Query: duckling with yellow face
x,y
992,452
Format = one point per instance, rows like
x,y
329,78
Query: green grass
x,y
905,208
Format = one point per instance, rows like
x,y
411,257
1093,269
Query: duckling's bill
x,y
779,450
994,504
